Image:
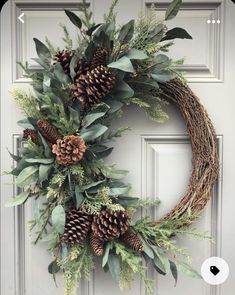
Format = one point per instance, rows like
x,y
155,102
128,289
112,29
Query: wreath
x,y
83,206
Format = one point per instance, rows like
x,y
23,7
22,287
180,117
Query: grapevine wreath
x,y
84,208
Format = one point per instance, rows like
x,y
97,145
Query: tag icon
x,y
215,270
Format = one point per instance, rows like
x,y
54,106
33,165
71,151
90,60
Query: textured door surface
x,y
157,156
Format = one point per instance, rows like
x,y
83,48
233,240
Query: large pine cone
x,y
99,58
97,245
89,89
110,225
133,241
77,226
31,133
48,131
69,150
81,68
64,58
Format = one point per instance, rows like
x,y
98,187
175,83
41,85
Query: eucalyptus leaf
x,y
161,62
157,34
60,74
74,18
40,161
122,91
14,157
18,200
92,117
174,271
90,185
24,123
27,176
42,50
114,266
91,133
148,250
114,173
114,106
74,116
176,33
162,76
188,270
73,63
79,197
173,9
127,201
118,188
136,54
53,267
58,218
106,254
90,50
44,171
126,32
47,150
123,64
161,260
92,29
101,151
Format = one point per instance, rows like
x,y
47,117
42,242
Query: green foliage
x,y
50,46
18,200
149,31
55,187
27,102
42,215
76,265
132,262
173,9
93,205
56,113
111,15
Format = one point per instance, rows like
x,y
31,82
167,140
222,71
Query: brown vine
x,y
205,164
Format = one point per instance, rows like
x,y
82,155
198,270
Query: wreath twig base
x,y
205,164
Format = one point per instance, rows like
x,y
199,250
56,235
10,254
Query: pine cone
x,y
64,58
69,150
97,245
89,89
133,241
77,226
109,225
99,58
81,68
31,133
48,131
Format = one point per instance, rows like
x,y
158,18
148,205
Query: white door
x,y
157,156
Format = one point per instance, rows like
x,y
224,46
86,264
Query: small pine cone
x,y
81,68
133,241
89,89
64,58
97,245
31,133
77,226
99,58
48,131
110,225
69,150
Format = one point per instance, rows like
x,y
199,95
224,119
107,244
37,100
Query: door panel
x,y
158,156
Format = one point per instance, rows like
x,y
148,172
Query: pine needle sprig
x,y
77,265
67,39
111,15
27,102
